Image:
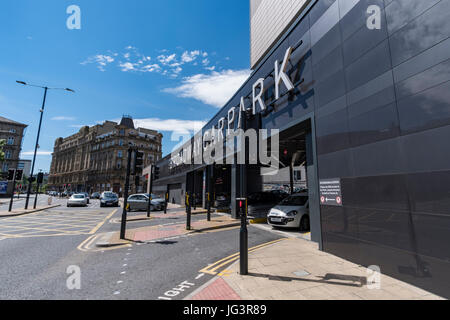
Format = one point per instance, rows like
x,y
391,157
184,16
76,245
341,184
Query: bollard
x,y
166,201
188,218
243,236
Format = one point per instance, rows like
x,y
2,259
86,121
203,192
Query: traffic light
x,y
241,207
156,173
138,163
11,174
19,174
40,178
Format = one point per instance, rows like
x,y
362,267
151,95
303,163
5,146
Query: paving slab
x,y
295,269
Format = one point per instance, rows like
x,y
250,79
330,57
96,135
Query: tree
x,y
2,154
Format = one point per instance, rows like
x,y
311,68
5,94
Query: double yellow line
x,y
212,269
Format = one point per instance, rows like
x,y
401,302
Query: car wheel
x,y
304,224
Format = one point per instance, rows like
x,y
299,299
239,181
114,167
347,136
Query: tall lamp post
x,y
30,181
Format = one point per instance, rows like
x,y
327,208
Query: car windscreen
x,y
109,196
78,196
294,201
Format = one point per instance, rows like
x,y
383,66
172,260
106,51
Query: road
x,y
37,250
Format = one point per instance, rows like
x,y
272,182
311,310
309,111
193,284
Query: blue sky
x,y
170,64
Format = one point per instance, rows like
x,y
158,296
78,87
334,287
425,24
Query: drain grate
x,y
302,273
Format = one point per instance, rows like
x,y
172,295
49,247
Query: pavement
x,y
19,211
295,269
165,231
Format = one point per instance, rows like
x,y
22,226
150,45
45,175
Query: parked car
x,y
109,199
77,200
222,201
157,201
87,197
292,212
139,202
95,195
260,203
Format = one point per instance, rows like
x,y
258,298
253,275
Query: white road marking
x,y
119,282
199,276
123,272
125,265
116,293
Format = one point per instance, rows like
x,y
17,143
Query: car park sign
x,y
330,192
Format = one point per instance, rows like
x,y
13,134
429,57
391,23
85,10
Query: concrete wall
x,y
268,20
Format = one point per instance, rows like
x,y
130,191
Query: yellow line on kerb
x,y
103,222
234,257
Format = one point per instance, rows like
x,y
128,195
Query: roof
x,y
127,121
5,120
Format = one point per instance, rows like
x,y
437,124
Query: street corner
x,y
104,242
215,289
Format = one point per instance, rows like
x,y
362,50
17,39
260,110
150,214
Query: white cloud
x,y
171,125
101,60
190,56
165,60
127,66
214,89
150,68
39,153
63,118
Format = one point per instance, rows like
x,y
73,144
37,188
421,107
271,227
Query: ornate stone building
x,y
95,158
12,132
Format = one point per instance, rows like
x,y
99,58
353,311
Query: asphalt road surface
x,y
41,257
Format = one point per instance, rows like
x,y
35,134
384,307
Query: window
x,y
121,143
5,167
10,141
12,131
120,154
8,154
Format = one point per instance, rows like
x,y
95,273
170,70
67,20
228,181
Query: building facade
x,y
369,114
25,165
95,158
12,132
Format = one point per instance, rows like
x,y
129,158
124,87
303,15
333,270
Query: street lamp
x,y
30,181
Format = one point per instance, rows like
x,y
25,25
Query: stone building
x,y
95,158
12,132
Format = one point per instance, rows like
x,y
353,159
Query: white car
x,y
292,212
77,200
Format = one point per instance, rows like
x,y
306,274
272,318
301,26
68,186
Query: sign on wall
x,y
3,187
330,192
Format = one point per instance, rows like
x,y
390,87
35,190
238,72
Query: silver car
x,y
139,202
292,212
77,200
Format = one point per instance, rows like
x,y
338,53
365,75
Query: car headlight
x,y
292,214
